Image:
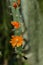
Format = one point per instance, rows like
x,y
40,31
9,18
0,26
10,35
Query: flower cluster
x,y
16,40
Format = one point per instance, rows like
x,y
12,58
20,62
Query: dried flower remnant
x,y
15,5
18,2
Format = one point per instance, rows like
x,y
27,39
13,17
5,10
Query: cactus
x,y
19,18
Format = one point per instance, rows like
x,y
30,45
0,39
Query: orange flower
x,y
16,41
15,24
